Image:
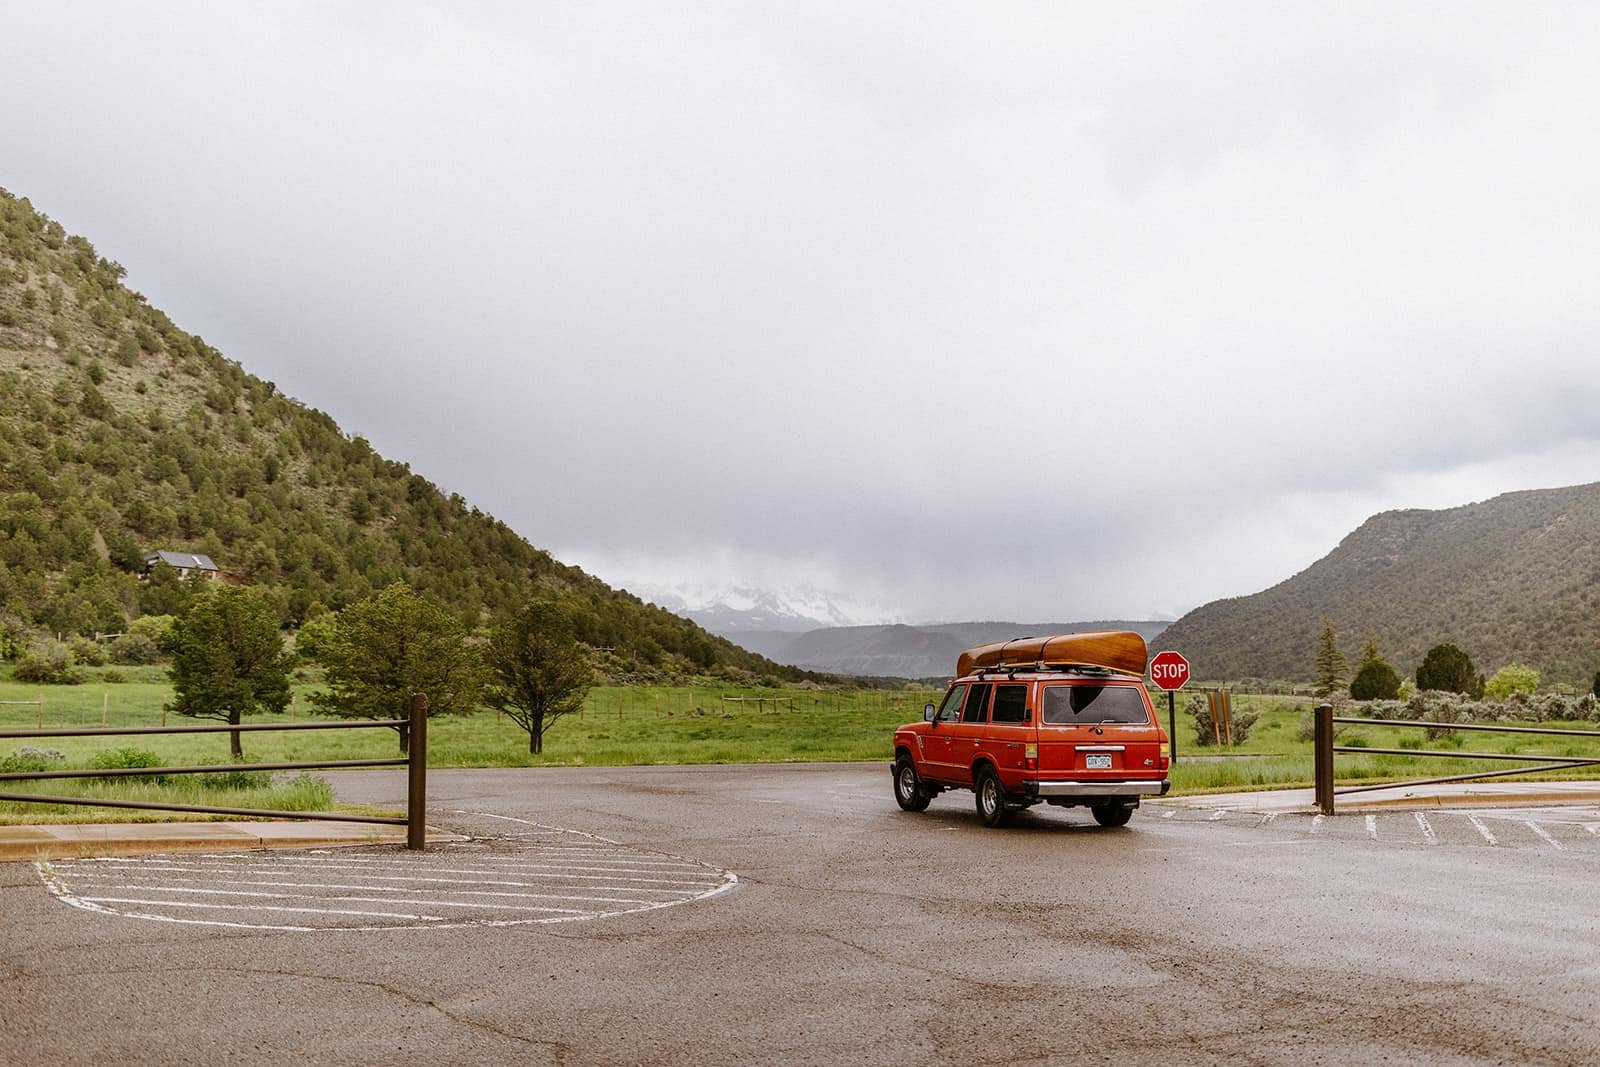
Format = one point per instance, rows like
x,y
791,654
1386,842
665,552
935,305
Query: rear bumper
x,y
1097,789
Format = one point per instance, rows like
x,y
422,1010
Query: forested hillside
x,y
1515,578
120,434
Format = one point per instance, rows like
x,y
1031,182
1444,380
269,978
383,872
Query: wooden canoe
x,y
1112,650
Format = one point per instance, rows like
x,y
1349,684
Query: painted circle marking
x,y
548,875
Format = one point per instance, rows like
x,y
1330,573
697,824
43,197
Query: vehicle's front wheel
x,y
908,792
991,799
1112,814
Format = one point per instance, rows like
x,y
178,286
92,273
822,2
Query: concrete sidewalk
x,y
128,838
1448,795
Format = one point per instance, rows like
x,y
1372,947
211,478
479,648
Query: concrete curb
x,y
82,840
1400,798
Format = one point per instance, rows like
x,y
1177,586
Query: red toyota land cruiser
x,y
1063,719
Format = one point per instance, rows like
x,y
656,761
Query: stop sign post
x,y
1169,670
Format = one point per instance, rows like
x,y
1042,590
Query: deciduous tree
x,y
1512,678
228,658
383,649
538,670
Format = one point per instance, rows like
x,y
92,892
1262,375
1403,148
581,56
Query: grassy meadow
x,y
660,725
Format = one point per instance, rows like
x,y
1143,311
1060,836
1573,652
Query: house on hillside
x,y
187,564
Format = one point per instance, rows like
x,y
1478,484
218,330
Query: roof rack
x,y
1053,668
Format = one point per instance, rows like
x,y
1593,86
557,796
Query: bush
x,y
87,652
1375,681
123,758
1512,678
134,650
113,677
27,759
48,663
1448,669
1199,708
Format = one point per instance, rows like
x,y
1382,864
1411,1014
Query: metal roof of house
x,y
181,559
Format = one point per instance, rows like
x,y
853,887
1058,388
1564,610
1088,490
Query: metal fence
x,y
1324,749
415,761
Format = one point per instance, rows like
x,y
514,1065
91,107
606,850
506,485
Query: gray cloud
x,y
1033,311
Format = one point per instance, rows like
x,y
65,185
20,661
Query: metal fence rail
x,y
415,761
1324,749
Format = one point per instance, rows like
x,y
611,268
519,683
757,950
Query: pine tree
x,y
1369,650
1331,664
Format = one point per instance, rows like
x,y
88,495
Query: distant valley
x,y
902,651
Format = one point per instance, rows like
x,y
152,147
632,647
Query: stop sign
x,y
1169,670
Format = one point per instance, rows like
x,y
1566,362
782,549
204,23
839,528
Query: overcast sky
x,y
955,311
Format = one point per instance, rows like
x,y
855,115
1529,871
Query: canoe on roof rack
x,y
1114,650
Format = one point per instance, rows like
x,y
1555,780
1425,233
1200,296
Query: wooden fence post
x,y
1322,756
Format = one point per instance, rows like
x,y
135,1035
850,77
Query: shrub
x,y
87,652
48,663
236,780
1375,681
1512,678
113,677
27,759
1199,708
134,649
1448,669
123,758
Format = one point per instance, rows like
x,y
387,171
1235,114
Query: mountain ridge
x,y
1512,578
121,433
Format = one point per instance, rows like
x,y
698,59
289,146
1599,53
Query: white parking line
x,y
1169,813
289,866
263,907
1267,819
432,903
1372,827
388,878
1427,830
1317,821
1482,829
382,889
1214,816
1536,828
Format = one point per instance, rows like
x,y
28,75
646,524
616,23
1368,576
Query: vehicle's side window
x,y
950,710
977,703
1010,704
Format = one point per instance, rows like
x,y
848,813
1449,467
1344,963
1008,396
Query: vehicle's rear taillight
x,y
1030,754
1164,760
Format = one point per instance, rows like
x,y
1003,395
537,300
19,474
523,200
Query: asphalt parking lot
x,y
793,914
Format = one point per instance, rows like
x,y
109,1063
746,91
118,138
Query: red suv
x,y
1060,720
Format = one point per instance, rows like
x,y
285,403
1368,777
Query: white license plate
x,y
1098,763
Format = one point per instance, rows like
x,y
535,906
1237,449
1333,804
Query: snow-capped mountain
x,y
730,611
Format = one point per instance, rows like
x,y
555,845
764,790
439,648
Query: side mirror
x,y
928,711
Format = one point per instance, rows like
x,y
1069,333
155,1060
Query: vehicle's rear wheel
x,y
991,799
908,791
1114,814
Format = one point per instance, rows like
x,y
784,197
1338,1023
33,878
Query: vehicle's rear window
x,y
1068,704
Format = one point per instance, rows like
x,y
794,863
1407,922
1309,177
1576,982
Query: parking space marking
x,y
1317,821
1482,829
1427,830
1536,828
1372,827
1219,813
550,875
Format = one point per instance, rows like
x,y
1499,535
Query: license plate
x,y
1098,763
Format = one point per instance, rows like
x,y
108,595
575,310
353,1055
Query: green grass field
x,y
707,724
